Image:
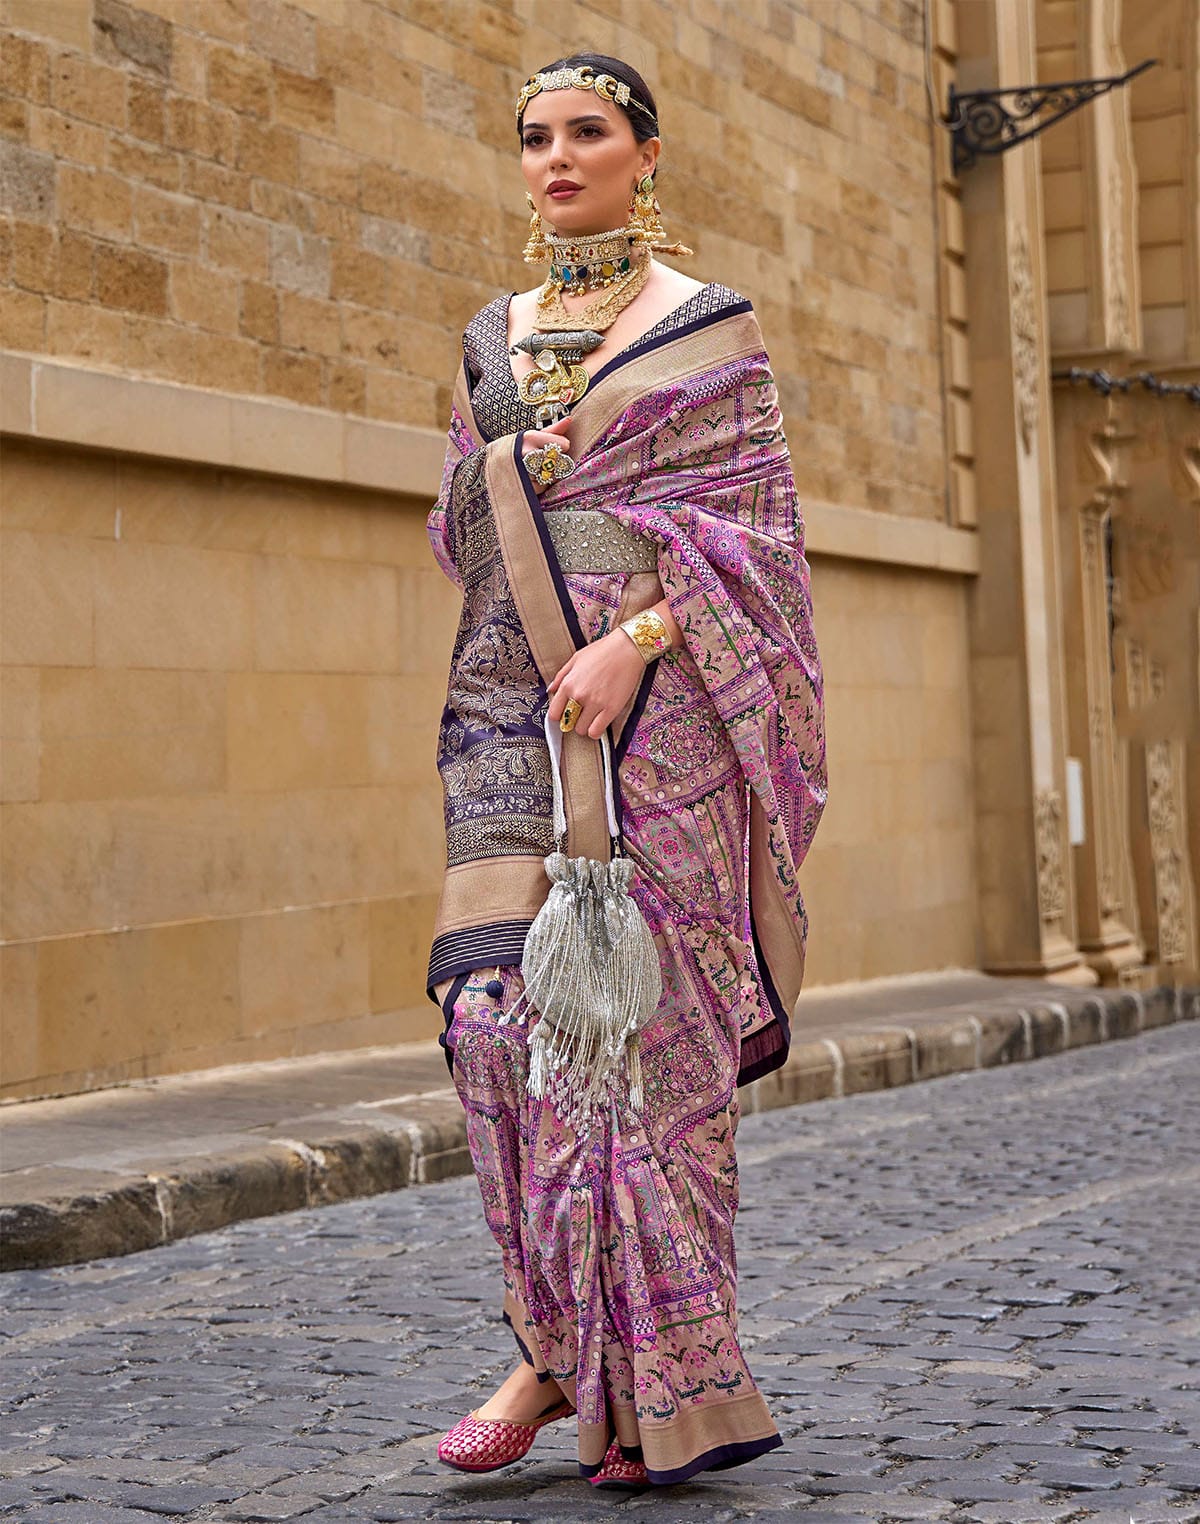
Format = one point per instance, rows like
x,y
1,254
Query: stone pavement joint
x,y
972,1303
140,1165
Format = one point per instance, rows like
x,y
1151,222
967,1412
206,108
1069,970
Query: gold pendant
x,y
558,378
554,381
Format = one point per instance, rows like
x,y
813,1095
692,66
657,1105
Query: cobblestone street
x,y
972,1299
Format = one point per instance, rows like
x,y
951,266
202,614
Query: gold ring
x,y
570,714
548,463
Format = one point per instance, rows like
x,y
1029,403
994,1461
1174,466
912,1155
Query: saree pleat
x,y
617,1245
617,1249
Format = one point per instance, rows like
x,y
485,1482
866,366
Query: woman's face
x,y
577,135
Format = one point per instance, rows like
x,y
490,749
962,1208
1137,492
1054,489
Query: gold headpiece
x,y
582,78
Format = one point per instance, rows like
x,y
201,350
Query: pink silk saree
x,y
617,1247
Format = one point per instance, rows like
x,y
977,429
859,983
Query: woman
x,y
619,509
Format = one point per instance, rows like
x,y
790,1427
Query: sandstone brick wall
x,y
225,639
219,805
1164,143
1165,246
308,200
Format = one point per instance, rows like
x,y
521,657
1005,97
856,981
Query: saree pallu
x,y
617,1246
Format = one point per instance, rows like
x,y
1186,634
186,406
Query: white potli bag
x,y
590,968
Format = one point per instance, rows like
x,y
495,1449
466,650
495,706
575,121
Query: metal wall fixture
x,y
1104,382
981,122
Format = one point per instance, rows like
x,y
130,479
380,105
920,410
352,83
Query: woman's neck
x,y
581,234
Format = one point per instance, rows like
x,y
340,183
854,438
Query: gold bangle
x,y
649,633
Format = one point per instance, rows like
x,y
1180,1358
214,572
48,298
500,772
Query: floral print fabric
x,y
620,1274
617,1250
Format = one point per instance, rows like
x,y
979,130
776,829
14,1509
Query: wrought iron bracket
x,y
981,121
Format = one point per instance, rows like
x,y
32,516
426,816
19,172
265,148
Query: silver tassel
x,y
591,971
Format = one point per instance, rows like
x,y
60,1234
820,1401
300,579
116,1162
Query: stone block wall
x,y
238,243
309,200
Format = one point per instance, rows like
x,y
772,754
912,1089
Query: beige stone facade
x,y
238,242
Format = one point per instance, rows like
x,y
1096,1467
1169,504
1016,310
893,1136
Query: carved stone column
x,y
1183,458
1024,871
1161,862
1086,453
1110,176
1156,548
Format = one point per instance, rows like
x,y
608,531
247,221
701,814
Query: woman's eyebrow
x,y
571,122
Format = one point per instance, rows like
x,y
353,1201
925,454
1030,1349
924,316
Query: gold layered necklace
x,y
609,263
606,262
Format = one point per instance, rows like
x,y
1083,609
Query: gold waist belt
x,y
586,540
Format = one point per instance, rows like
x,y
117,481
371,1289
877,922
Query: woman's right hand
x,y
538,439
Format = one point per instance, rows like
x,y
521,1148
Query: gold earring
x,y
645,214
645,220
537,250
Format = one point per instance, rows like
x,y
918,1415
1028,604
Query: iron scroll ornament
x,y
981,122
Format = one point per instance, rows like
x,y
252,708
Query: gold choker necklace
x,y
589,263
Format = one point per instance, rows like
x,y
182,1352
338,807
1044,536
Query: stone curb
x,y
881,1055
182,1197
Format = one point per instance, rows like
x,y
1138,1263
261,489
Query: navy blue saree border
x,y
619,744
644,346
460,951
647,346
767,1049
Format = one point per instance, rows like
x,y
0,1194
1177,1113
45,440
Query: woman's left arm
x,y
604,676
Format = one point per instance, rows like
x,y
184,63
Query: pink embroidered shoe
x,y
617,1472
486,1444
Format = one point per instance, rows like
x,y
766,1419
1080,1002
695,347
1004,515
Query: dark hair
x,y
644,127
